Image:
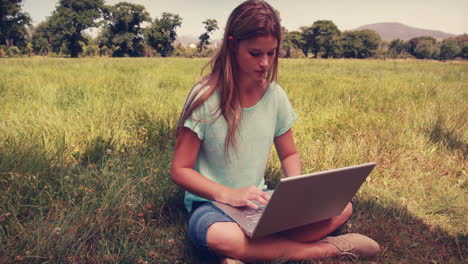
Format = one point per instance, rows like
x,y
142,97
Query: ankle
x,y
354,244
329,249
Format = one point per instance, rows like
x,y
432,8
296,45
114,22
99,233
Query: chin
x,y
258,78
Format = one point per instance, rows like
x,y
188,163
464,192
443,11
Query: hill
x,y
390,31
186,39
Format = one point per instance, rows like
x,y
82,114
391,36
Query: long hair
x,y
249,20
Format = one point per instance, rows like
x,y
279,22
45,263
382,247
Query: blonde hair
x,y
249,20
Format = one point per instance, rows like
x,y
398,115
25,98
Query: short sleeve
x,y
195,121
286,115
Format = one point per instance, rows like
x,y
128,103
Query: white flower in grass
x,y
57,231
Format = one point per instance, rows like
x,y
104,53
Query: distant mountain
x,y
186,39
391,31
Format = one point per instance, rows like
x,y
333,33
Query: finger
x,y
260,199
263,200
251,204
265,195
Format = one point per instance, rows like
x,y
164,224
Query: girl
x,y
225,133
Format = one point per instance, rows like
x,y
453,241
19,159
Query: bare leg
x,y
319,230
227,239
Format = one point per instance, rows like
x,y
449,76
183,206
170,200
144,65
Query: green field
x,y
86,145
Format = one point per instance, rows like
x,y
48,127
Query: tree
x,y
396,47
161,34
13,23
294,39
123,33
210,26
464,52
324,38
422,47
351,44
450,49
28,50
286,44
41,39
13,51
371,41
360,44
71,18
462,42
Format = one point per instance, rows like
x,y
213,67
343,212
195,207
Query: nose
x,y
264,61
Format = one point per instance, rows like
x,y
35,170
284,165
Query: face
x,y
255,56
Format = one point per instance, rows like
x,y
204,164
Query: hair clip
x,y
231,38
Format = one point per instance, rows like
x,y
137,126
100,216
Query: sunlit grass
x,y
86,145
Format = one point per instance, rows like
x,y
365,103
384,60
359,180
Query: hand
x,y
245,197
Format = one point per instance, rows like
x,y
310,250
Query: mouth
x,y
261,72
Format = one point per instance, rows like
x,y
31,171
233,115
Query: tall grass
x,y
86,145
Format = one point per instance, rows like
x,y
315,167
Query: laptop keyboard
x,y
253,215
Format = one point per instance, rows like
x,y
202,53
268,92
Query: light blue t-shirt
x,y
271,117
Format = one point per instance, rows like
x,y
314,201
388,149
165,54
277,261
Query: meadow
x,y
86,146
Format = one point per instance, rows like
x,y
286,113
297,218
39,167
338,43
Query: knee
x,y
226,239
347,212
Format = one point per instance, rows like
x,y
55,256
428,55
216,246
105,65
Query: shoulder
x,y
206,104
199,90
277,91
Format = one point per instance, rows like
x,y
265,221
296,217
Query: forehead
x,y
268,42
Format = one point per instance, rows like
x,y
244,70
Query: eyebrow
x,y
259,50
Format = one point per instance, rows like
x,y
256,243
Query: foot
x,y
354,244
227,260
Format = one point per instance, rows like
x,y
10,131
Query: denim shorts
x,y
203,215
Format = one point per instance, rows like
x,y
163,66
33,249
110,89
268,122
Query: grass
x,y
85,148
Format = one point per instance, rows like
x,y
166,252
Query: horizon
x,y
447,17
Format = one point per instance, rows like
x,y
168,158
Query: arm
x,y
183,174
287,153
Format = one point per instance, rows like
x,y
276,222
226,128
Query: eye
x,y
271,53
254,54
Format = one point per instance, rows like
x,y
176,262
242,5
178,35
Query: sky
x,y
448,16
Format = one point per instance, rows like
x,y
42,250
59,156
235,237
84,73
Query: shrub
x,y
28,50
91,50
13,51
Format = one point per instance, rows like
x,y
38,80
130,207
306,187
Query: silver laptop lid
x,y
310,198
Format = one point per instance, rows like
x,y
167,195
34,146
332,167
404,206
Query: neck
x,y
251,91
246,86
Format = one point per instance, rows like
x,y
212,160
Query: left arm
x,y
287,153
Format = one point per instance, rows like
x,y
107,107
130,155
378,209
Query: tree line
x,y
126,29
121,30
325,40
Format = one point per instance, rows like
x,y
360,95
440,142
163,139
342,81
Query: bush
x,y
207,52
464,52
150,52
186,52
296,54
192,52
28,50
91,51
449,49
105,51
3,50
13,51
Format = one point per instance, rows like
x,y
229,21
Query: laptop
x,y
301,200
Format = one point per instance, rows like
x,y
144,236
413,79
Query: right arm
x,y
183,174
